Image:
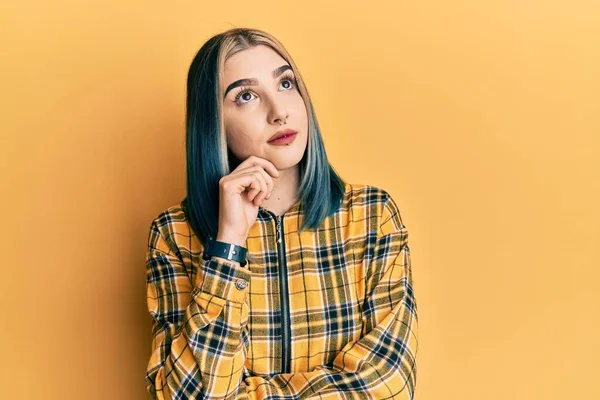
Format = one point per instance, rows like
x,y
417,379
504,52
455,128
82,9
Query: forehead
x,y
255,62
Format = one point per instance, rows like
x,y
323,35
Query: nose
x,y
279,113
283,120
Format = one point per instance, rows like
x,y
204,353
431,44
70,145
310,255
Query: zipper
x,y
284,300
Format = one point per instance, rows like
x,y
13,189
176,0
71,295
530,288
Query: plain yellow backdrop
x,y
481,118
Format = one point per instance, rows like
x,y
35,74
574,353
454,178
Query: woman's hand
x,y
240,194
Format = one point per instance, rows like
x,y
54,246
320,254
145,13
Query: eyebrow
x,y
253,81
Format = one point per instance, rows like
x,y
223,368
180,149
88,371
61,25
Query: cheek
x,y
241,136
235,129
237,140
301,107
242,124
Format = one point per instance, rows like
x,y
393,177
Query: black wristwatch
x,y
229,251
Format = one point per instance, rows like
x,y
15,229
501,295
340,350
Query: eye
x,y
244,91
288,77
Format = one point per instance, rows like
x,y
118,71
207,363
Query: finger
x,y
264,177
239,183
268,178
259,185
264,187
270,183
252,187
266,164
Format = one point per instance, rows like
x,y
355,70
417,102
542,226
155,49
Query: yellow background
x,y
481,118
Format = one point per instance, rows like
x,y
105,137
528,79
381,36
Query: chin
x,y
282,163
287,156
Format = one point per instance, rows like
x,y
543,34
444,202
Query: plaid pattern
x,y
352,309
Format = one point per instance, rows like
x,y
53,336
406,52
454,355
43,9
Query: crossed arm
x,y
200,330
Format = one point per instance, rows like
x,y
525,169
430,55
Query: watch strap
x,y
225,250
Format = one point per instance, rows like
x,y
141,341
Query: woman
x,y
274,278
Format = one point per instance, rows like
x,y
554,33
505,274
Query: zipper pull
x,y
279,228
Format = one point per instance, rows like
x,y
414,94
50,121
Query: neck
x,y
285,191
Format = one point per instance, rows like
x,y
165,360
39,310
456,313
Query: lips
x,y
282,134
285,140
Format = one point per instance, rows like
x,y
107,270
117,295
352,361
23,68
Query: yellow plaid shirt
x,y
321,314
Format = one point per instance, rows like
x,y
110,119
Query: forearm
x,y
204,355
381,365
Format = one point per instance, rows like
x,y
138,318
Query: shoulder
x,y
169,228
170,216
374,201
364,194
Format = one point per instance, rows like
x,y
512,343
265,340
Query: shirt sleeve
x,y
382,364
197,338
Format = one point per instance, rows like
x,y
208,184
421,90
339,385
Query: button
x,y
241,284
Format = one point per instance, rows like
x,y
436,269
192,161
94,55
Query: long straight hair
x,y
321,189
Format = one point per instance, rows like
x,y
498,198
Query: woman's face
x,y
253,111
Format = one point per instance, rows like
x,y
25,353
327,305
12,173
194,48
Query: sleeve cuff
x,y
226,281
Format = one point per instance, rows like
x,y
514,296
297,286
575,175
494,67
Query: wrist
x,y
227,238
227,249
